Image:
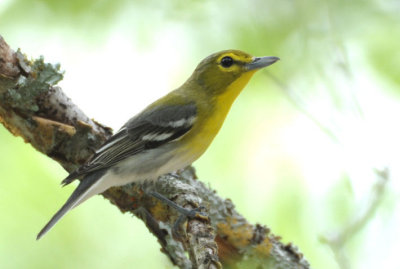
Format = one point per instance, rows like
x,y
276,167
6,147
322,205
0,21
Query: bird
x,y
170,133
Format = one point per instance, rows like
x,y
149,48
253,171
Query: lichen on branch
x,y
33,107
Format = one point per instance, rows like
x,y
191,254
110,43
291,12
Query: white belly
x,y
146,166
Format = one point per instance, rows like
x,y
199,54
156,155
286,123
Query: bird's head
x,y
222,69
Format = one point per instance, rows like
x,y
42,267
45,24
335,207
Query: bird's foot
x,y
185,213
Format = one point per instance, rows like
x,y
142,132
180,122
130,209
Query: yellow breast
x,y
206,128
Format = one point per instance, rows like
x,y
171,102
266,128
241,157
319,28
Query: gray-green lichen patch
x,y
23,62
175,248
42,76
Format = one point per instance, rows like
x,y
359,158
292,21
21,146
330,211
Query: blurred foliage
x,y
273,162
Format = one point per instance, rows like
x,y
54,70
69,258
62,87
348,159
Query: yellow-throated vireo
x,y
170,133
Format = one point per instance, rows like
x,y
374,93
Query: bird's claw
x,y
188,214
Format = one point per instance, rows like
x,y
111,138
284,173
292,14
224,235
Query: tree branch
x,y
31,106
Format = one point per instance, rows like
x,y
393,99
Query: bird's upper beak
x,y
260,62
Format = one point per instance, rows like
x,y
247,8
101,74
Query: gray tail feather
x,y
73,200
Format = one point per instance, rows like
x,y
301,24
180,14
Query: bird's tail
x,y
88,187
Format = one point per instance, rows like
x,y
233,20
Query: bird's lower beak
x,y
260,62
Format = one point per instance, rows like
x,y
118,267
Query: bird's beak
x,y
260,62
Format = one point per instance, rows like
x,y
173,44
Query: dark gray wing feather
x,y
147,130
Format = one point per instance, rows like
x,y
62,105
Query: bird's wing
x,y
148,130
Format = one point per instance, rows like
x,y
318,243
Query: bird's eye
x,y
226,61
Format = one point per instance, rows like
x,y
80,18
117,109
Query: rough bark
x,y
33,107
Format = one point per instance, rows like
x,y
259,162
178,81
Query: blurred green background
x,y
304,175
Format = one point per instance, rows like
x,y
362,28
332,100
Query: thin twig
x,y
299,104
338,240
